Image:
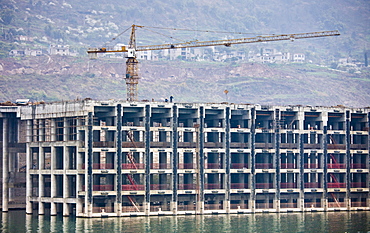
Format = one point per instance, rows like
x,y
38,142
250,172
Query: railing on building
x,y
159,208
213,144
358,184
264,185
264,205
336,185
187,166
100,166
133,166
160,144
288,205
129,145
213,186
288,185
358,204
312,146
239,145
288,166
160,187
131,209
104,187
264,145
336,204
263,165
312,205
312,185
213,206
213,166
103,210
337,166
311,165
239,165
191,207
238,206
160,166
130,187
187,186
358,165
288,145
239,185
336,146
358,146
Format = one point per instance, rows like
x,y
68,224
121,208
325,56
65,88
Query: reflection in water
x,y
18,221
4,222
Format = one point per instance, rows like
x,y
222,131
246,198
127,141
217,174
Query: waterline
x,y
18,221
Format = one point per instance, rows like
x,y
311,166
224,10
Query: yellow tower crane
x,y
132,74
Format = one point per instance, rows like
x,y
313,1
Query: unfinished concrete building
x,y
111,158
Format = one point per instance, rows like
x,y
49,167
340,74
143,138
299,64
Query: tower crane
x,y
132,74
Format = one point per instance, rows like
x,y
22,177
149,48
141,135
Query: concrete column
x,y
65,180
28,177
301,173
89,162
175,155
277,161
41,180
325,164
228,159
252,201
5,198
200,146
347,161
147,160
53,210
118,161
53,129
368,158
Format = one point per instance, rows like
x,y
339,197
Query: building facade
x,y
111,158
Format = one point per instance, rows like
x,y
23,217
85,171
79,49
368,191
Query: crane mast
x,y
132,64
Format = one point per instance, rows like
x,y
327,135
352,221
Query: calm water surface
x,y
18,221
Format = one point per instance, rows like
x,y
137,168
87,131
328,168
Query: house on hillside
x,y
299,57
59,50
16,53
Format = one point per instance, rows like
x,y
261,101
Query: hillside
x,y
92,23
60,78
89,23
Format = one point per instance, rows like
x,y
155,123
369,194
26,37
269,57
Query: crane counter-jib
x,y
239,41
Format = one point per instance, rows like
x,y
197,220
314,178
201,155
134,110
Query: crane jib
x,y
132,70
239,41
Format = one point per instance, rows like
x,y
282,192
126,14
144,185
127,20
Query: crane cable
x,y
181,29
196,30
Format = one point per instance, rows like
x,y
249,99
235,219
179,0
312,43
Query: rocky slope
x,y
59,78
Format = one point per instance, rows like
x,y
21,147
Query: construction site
x,y
117,158
90,158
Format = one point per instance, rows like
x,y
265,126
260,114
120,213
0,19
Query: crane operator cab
x,y
131,53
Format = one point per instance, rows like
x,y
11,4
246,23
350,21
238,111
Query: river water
x,y
18,221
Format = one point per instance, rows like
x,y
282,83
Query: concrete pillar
x,y
347,161
41,180
28,176
228,159
65,181
89,162
201,161
252,201
29,165
118,161
53,210
325,164
5,198
147,160
175,155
